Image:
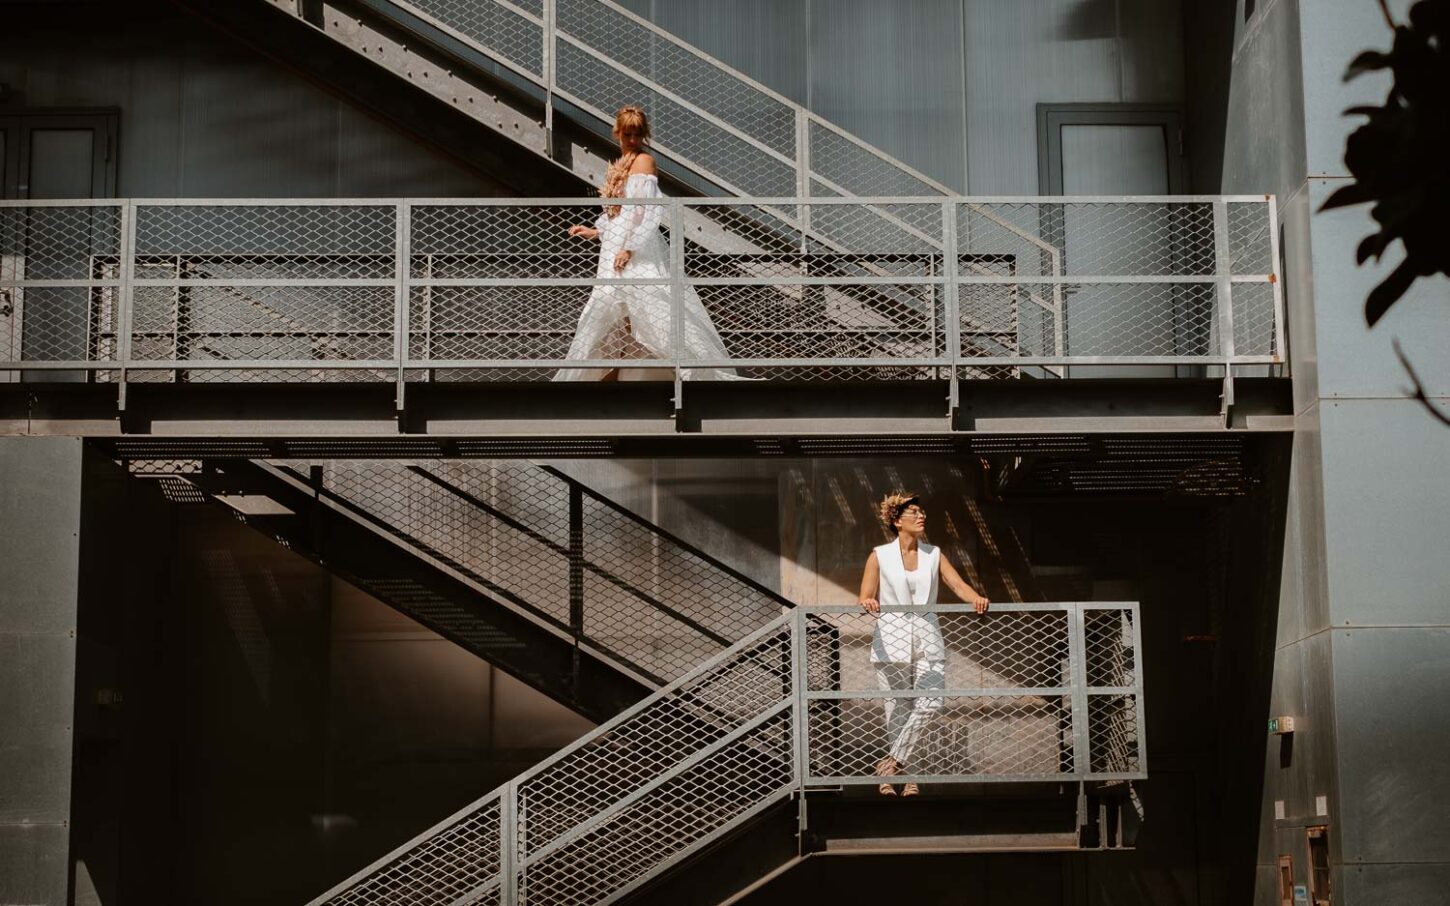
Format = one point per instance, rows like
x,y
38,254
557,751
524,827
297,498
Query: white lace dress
x,y
633,322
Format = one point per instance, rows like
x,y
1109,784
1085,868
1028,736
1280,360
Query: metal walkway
x,y
287,318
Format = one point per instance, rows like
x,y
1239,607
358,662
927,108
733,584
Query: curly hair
x,y
893,505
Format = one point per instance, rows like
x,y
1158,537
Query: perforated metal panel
x,y
821,290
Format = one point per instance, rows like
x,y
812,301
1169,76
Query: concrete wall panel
x,y
40,522
40,499
1393,731
762,38
1386,506
37,698
1264,144
1298,289
203,115
1330,41
34,862
892,74
1356,361
1395,883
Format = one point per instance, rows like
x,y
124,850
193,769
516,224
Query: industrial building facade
x,y
317,584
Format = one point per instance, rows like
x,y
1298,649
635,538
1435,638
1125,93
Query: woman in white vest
x,y
907,648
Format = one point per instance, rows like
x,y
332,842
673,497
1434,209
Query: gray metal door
x,y
1115,150
50,154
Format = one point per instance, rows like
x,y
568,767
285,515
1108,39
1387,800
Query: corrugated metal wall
x,y
203,115
949,86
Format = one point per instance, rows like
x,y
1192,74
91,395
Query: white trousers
x,y
908,718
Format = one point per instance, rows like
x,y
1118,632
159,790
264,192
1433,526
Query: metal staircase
x,y
520,564
546,75
1048,695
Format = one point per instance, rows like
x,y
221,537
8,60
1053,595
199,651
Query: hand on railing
x,y
870,605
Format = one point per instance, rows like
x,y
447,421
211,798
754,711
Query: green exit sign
x,y
1279,725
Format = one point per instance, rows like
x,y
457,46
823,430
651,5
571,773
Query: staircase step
x,y
955,843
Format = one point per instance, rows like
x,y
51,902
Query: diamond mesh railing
x,y
399,291
1028,692
535,539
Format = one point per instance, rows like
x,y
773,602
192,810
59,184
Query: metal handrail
x,y
761,740
579,630
299,250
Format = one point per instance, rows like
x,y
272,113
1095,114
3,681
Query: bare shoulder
x,y
644,163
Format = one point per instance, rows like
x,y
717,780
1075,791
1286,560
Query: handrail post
x,y
1223,298
677,299
1077,671
509,816
951,308
549,59
1140,707
800,709
401,264
1276,282
803,171
126,296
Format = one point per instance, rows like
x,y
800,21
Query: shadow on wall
x,y
829,525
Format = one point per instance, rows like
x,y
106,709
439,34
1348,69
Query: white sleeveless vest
x,y
905,637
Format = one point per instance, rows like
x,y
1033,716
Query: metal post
x,y
677,298
126,298
1077,668
803,171
549,59
1138,686
508,844
800,713
951,309
1276,280
401,301
1223,298
576,572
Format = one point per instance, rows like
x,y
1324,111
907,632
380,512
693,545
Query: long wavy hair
x,y
617,176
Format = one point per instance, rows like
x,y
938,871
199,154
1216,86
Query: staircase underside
x,y
484,626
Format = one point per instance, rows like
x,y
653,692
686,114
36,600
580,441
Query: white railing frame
x,y
947,281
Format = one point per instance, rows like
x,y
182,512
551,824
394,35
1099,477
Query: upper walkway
x,y
375,318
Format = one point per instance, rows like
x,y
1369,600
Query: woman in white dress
x,y
907,649
634,322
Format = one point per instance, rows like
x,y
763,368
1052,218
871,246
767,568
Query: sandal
x,y
886,767
910,789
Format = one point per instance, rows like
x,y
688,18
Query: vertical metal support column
x,y
1276,281
1059,317
126,298
576,573
550,60
951,308
508,845
1223,298
677,298
800,708
1077,667
401,264
803,171
1140,708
